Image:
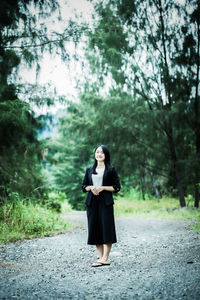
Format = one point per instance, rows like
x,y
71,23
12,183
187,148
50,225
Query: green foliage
x,y
20,151
146,119
159,63
67,171
149,119
96,120
19,220
111,40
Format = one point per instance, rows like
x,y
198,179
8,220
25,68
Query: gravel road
x,y
153,259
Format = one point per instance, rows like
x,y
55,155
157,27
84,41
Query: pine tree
x,y
149,68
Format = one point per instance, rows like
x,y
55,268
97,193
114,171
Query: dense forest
x,y
138,95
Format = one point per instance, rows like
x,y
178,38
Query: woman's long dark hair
x,y
107,158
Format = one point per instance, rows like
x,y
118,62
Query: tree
x,y
149,68
189,60
24,36
99,120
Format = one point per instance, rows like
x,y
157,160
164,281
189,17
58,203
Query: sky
x,y
53,71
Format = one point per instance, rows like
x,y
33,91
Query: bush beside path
x,y
153,259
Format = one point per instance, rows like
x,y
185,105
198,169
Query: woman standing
x,y
101,181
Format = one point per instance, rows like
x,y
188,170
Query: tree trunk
x,y
196,201
154,186
174,159
169,127
142,183
143,191
197,127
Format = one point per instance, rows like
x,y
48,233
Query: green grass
x,y
20,221
165,208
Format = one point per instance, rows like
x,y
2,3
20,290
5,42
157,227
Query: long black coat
x,y
110,178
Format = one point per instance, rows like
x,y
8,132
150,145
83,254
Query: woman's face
x,y
99,155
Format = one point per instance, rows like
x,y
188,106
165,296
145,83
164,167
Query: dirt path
x,y
153,259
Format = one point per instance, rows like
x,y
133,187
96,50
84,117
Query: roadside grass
x,y
19,220
165,208
25,221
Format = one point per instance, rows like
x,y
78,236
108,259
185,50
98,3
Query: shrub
x,y
19,220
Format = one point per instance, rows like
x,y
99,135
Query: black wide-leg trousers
x,y
101,224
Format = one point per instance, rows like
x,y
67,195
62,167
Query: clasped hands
x,y
96,190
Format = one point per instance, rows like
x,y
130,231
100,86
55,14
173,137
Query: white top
x,y
97,179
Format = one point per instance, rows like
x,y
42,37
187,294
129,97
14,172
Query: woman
x,y
101,181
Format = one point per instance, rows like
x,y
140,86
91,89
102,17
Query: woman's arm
x,y
116,184
86,183
106,188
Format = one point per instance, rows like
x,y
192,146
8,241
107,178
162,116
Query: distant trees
x,y
150,119
141,98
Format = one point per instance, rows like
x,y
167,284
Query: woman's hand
x,y
92,188
95,191
99,190
89,188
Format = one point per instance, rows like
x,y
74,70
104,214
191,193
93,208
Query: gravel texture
x,y
153,259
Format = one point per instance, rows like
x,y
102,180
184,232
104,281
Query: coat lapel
x,y
104,176
90,175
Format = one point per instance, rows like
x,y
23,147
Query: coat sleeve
x,y
85,181
115,179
